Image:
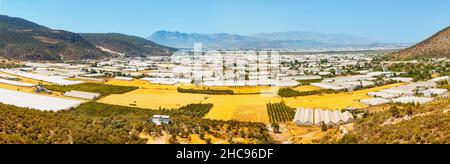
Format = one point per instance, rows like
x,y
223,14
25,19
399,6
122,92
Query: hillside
x,y
282,40
128,45
24,40
437,45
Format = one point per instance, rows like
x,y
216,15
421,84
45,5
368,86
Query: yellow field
x,y
334,101
142,84
153,99
306,88
251,108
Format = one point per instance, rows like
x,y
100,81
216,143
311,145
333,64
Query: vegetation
x,y
308,82
103,89
280,113
24,40
421,71
24,126
289,92
427,125
206,91
96,123
8,65
129,45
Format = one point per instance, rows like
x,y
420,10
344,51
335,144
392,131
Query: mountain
x,y
332,39
24,40
127,45
437,45
282,40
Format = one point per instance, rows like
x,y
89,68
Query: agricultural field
x,y
153,99
280,113
248,108
334,101
240,107
306,88
142,84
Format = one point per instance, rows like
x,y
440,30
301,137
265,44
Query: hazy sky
x,y
384,20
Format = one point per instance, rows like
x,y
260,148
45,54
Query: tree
x,y
276,127
324,127
208,141
394,112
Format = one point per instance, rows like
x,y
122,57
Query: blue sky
x,y
384,20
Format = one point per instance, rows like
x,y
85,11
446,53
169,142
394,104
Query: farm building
x,y
413,99
304,117
375,101
82,95
160,119
33,101
318,117
309,117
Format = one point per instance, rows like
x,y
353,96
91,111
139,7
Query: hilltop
x,y
24,40
437,45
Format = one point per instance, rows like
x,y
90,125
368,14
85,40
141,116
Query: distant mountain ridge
x,y
437,45
281,40
128,45
28,41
